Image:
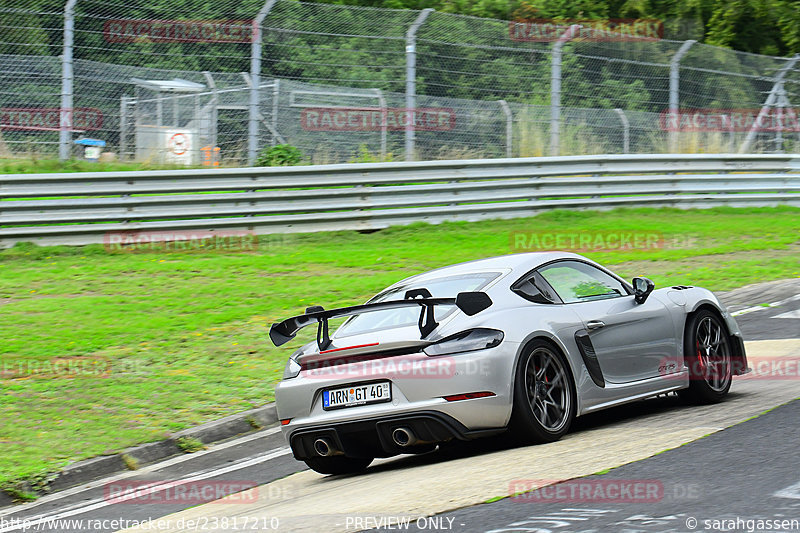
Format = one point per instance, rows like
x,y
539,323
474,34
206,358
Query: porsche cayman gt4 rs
x,y
521,343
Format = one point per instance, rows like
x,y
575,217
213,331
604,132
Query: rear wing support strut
x,y
471,303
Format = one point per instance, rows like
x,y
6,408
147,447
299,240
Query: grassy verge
x,y
42,166
100,350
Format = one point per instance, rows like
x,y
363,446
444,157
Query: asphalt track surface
x,y
766,310
746,477
427,488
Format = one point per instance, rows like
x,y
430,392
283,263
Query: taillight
x,y
468,396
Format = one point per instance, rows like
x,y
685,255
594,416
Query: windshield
x,y
447,287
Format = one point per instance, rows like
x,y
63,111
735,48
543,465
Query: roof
x,y
175,85
522,262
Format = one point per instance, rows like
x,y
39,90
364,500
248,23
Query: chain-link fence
x,y
195,82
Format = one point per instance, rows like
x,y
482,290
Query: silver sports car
x,y
521,343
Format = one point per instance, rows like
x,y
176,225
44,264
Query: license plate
x,y
356,395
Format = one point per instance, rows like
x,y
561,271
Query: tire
x,y
544,395
338,464
708,355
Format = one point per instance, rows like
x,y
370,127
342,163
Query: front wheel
x,y
338,464
544,399
707,353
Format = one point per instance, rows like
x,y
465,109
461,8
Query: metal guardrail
x,y
84,208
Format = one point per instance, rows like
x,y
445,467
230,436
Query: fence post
x,y
555,88
773,95
626,131
783,104
674,92
509,127
411,80
384,125
255,79
66,113
212,112
123,127
276,95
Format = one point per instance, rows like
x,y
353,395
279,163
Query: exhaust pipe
x,y
324,448
404,437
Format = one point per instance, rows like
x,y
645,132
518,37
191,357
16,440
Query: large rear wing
x,y
471,303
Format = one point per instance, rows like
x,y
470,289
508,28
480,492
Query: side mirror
x,y
642,287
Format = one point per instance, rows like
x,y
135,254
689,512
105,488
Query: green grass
x,y
166,340
36,166
190,444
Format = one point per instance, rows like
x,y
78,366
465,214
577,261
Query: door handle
x,y
595,324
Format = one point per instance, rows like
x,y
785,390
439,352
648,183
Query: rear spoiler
x,y
471,303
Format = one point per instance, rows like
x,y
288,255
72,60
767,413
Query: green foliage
x,y
131,463
190,444
282,155
253,423
19,494
41,166
759,26
365,156
28,487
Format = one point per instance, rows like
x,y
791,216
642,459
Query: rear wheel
x,y
544,403
338,464
707,352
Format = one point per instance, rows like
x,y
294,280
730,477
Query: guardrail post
x,y
626,131
66,113
411,80
255,79
555,88
773,95
674,91
509,127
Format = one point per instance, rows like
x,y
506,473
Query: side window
x,y
533,288
579,282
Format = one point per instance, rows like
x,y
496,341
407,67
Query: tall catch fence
x,y
206,83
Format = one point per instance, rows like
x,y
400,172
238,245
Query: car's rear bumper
x,y
419,384
373,436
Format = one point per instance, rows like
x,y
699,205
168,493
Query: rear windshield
x,y
447,287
